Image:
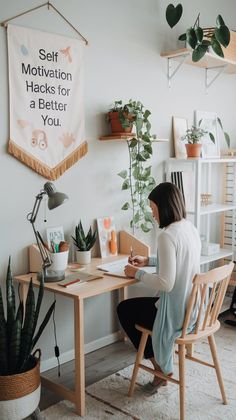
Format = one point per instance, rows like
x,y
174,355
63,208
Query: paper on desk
x,y
116,268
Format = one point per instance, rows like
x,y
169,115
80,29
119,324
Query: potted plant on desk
x,y
84,243
19,368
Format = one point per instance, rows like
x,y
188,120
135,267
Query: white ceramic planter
x,y
83,257
20,408
20,394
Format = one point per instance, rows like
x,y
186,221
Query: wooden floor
x,y
99,364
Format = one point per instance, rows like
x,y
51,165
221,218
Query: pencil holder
x,y
59,261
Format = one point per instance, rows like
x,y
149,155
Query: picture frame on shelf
x,y
107,236
55,235
180,126
208,123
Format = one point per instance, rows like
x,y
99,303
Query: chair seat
x,y
191,338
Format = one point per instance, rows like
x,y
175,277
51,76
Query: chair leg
x,y
212,344
181,349
189,349
138,360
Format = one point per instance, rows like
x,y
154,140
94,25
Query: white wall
x,y
122,62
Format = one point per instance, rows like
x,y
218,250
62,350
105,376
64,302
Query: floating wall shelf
x,y
122,137
210,62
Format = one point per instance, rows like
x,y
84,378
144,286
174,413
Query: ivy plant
x,y
137,178
199,39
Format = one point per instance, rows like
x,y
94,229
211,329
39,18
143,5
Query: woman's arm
x,y
165,279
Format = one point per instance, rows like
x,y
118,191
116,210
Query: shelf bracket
x,y
170,74
208,81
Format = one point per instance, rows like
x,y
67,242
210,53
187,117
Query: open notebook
x,y
116,268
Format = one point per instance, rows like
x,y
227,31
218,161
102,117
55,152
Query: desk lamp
x,y
55,199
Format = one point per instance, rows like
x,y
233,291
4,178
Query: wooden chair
x,y
206,325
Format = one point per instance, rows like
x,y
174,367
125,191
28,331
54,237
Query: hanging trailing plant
x,y
137,178
199,39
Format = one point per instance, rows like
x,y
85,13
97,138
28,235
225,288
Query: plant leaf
x,y
191,37
125,185
222,35
3,339
219,21
125,206
11,307
43,325
199,34
212,137
182,37
216,47
145,228
199,52
173,14
227,138
123,174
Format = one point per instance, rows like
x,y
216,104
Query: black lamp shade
x,y
55,198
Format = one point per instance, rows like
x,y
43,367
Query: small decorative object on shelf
x,y
206,199
121,118
84,243
193,136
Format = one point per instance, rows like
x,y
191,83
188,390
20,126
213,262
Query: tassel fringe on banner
x,y
42,169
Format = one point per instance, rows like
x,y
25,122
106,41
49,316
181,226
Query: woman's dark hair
x,y
170,203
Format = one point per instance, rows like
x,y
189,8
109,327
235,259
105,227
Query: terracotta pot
x,y
193,150
116,126
20,394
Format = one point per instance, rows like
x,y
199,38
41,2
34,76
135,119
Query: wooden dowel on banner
x,y
48,4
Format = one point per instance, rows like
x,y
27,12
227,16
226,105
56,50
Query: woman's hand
x,y
130,270
138,261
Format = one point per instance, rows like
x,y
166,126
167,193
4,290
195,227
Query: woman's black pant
x,y
142,311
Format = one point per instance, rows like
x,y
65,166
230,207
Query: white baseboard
x,y
70,355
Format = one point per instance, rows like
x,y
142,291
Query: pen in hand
x,y
131,255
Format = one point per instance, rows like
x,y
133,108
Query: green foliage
x,y
18,335
84,242
198,39
194,134
138,179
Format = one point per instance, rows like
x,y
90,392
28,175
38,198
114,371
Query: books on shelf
x,y
79,278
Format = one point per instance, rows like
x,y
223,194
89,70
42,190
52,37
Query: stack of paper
x,y
116,268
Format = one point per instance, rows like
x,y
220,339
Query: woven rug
x,y
107,399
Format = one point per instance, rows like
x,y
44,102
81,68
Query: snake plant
x,y
84,242
18,335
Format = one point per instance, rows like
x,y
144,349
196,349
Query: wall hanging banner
x,y
46,100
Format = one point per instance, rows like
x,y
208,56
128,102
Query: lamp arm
x,y
31,217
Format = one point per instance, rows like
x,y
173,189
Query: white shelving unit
x,y
205,176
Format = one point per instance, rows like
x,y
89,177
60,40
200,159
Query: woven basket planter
x,y
20,394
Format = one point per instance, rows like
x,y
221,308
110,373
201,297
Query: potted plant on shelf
x,y
84,243
121,118
199,39
19,368
137,178
193,136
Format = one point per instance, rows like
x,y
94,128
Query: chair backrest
x,y
219,279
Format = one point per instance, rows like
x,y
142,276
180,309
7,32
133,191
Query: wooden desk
x,y
78,294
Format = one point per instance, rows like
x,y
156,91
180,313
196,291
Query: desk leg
x,y
79,356
122,296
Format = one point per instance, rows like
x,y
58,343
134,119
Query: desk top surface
x,y
87,289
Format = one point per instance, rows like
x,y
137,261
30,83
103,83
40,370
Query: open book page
x,y
116,268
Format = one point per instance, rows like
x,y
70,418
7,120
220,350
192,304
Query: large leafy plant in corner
x,y
199,39
18,335
137,178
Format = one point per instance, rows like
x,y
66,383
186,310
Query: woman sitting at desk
x,y
177,262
